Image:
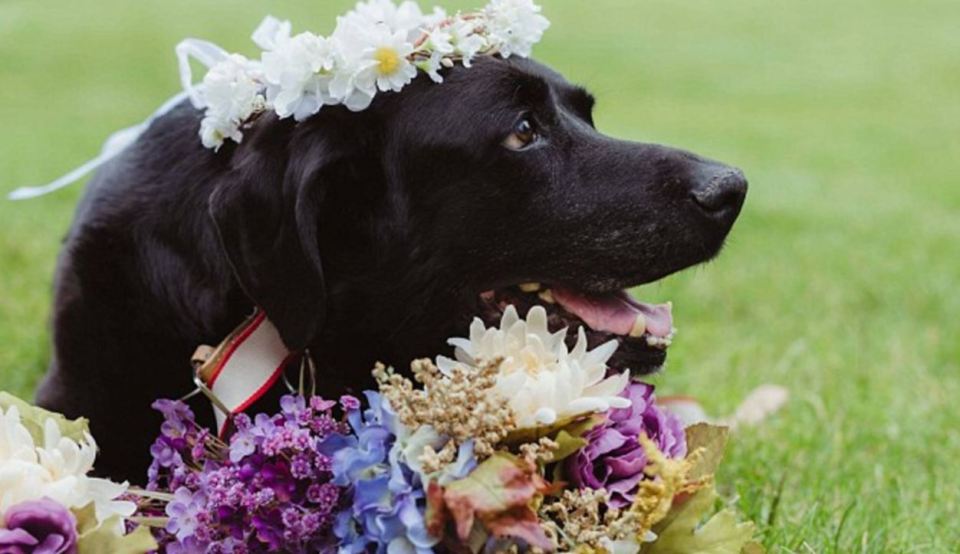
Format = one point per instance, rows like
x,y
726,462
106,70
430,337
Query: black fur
x,y
365,236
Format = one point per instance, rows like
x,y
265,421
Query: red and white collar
x,y
242,368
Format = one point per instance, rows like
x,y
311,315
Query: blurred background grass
x,y
839,281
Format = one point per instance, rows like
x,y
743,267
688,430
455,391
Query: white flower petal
x,y
600,354
619,402
446,365
611,386
586,405
545,416
509,318
271,33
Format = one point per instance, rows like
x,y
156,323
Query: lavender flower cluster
x,y
269,489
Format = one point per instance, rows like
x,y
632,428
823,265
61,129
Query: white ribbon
x,y
115,143
251,364
204,52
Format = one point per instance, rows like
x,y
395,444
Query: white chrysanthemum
x,y
435,18
231,94
405,18
514,26
467,39
542,380
297,73
271,33
57,469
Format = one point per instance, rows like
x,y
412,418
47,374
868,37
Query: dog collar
x,y
242,368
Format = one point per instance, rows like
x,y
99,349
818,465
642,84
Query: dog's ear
x,y
265,210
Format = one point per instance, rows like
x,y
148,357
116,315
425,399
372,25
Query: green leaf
x,y
86,518
681,532
568,445
575,426
105,539
499,493
712,439
94,539
753,548
34,418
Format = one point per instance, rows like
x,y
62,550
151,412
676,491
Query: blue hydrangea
x,y
389,501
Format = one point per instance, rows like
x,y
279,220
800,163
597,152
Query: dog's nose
x,y
720,193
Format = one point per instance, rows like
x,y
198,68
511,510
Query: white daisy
x,y
542,380
369,58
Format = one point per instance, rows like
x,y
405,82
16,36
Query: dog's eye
x,y
524,134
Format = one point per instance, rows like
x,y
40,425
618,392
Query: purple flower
x,y
39,527
184,511
173,410
242,444
613,459
270,489
349,403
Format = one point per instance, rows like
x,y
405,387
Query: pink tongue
x,y
615,312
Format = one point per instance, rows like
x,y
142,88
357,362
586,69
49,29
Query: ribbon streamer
x,y
204,52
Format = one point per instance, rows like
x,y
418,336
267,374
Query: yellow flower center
x,y
387,59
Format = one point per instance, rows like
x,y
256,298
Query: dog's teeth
x,y
639,326
547,296
529,287
660,342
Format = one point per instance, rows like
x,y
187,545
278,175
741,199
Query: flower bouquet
x,y
519,444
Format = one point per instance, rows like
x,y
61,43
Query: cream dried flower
x,y
459,406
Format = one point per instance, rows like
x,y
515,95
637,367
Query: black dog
x,y
368,236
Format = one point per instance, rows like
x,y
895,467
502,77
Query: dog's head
x,y
377,235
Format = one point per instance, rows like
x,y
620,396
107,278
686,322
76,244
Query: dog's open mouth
x,y
643,330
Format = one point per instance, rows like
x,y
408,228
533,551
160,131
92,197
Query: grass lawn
x,y
839,281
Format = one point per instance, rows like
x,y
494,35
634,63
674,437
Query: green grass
x,y
839,281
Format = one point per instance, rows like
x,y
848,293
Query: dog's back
x,y
139,284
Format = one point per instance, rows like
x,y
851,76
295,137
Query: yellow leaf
x,y
34,418
706,444
567,445
575,426
86,518
681,532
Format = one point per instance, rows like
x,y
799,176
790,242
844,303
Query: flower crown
x,y
378,46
